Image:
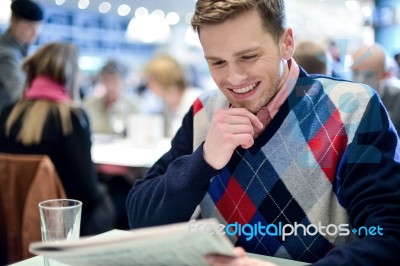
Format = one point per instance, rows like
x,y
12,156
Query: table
x,y
117,156
111,150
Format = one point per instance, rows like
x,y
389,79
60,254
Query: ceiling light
x,y
83,4
148,29
124,10
172,18
59,2
367,11
104,7
352,5
158,13
141,11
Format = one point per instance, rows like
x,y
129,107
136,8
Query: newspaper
x,y
155,246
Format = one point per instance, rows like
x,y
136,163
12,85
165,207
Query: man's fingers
x,y
239,251
246,113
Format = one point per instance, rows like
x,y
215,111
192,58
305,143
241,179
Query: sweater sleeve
x,y
370,189
174,185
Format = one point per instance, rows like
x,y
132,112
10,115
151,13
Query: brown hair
x,y
312,57
272,13
167,72
58,62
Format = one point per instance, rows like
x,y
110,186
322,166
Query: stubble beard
x,y
255,107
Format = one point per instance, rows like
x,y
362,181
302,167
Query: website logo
x,y
282,230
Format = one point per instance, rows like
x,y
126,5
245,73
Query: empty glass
x,y
60,220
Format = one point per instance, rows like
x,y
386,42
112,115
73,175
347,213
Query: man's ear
x,y
287,44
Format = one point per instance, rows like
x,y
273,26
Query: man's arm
x,y
371,192
174,186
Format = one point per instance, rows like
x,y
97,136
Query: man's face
x,y
369,66
245,61
114,85
26,31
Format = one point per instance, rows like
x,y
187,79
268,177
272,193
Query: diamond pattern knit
x,y
290,175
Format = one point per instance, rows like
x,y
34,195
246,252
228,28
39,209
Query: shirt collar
x,y
269,111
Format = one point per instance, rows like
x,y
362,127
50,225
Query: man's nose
x,y
236,74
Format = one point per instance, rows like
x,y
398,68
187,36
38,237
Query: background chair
x,y
25,180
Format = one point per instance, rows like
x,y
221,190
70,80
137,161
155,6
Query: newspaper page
x,y
167,245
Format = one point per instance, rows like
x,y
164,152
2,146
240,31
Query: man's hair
x,y
312,57
114,67
272,13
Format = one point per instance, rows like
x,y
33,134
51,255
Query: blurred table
x,y
114,155
111,150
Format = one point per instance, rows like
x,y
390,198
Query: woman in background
x,y
47,121
166,78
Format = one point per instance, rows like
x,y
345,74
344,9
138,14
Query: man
x,y
26,17
396,58
109,112
313,58
278,148
372,66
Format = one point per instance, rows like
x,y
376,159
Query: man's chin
x,y
245,106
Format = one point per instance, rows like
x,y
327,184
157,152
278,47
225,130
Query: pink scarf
x,y
44,88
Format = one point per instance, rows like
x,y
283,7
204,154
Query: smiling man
x,y
275,147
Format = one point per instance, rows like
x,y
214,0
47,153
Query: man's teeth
x,y
245,89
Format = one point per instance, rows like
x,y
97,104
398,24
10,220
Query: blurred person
x,y
26,18
396,58
109,106
46,120
313,58
277,147
373,66
166,78
336,50
369,65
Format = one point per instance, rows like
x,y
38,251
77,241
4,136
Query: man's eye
x,y
217,63
249,57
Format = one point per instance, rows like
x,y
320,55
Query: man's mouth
x,y
245,89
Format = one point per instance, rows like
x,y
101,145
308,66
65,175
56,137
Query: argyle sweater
x,y
329,159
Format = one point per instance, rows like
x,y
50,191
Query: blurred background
x,y
133,31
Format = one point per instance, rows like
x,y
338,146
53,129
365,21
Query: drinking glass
x,y
60,220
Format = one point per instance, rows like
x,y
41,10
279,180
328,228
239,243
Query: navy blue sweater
x,y
365,179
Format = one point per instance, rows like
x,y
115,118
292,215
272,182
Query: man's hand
x,y
240,260
229,129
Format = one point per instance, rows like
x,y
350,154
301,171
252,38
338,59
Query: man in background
x,y
109,105
313,58
373,66
26,18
